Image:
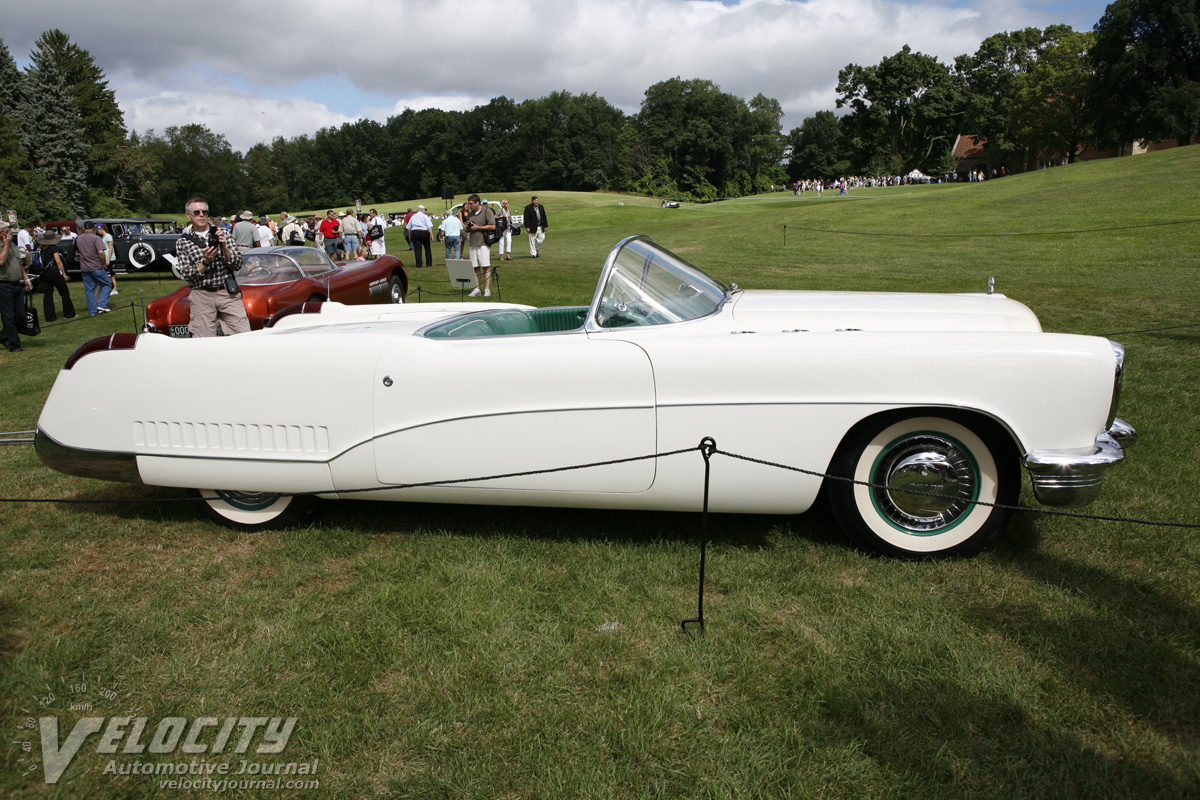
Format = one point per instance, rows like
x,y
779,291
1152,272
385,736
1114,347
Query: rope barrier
x,y
1002,506
707,448
388,487
1150,330
85,317
703,448
987,235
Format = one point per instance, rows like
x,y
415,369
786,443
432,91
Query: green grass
x,y
440,651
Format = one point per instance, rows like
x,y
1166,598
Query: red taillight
x,y
115,341
299,308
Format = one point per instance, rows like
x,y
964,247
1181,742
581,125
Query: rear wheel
x,y
395,290
952,464
256,511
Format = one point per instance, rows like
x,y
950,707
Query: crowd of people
x,y
348,236
209,251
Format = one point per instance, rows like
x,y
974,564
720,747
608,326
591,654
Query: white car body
x,y
361,398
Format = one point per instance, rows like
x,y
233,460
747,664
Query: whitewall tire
x,y
255,511
931,454
141,255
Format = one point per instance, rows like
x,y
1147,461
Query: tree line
x,y
1034,95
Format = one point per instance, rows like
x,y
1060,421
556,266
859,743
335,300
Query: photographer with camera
x,y
481,221
208,260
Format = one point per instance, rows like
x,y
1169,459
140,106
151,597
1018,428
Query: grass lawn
x,y
439,651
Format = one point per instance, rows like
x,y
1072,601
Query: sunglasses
x,y
201,213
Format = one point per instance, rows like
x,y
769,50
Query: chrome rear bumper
x,y
1074,477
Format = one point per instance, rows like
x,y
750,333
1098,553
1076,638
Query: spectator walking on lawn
x,y
420,235
536,225
376,228
54,276
505,226
451,233
92,259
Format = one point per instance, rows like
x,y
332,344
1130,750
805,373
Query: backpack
x,y
295,237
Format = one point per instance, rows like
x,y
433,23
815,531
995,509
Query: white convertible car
x,y
925,406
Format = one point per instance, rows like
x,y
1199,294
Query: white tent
x,y
917,175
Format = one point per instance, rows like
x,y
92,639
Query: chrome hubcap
x,y
934,464
248,501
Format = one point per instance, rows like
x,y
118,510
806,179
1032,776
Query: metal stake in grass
x,y
708,446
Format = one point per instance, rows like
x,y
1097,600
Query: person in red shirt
x,y
331,229
404,227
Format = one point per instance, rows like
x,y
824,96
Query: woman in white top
x,y
506,236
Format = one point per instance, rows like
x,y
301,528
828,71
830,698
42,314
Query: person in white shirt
x,y
265,237
25,241
420,233
377,220
451,233
504,224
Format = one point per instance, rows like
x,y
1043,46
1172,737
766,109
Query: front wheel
x,y
951,464
255,511
141,255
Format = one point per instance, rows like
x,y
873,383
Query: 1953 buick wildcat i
x,y
926,406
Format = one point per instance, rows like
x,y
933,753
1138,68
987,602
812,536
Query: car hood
x,y
881,311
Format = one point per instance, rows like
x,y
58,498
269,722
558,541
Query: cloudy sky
x,y
257,71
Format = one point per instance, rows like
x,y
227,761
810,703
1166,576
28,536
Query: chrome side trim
x,y
1118,379
86,463
1074,477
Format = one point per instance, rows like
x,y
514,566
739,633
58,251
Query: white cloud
x,y
243,118
252,74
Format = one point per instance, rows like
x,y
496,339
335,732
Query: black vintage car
x,y
138,243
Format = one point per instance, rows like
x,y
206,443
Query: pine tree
x,y
101,122
22,188
50,133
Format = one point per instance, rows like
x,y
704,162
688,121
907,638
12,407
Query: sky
x,y
258,71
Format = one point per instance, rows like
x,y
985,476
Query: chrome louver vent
x,y
231,437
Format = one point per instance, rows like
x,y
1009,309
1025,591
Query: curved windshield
x,y
285,264
647,285
268,266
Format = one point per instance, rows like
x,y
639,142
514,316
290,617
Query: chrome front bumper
x,y
1074,477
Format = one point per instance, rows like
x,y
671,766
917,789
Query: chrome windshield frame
x,y
592,323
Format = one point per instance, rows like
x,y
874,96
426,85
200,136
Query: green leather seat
x,y
511,321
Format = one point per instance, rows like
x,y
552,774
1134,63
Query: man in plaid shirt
x,y
205,268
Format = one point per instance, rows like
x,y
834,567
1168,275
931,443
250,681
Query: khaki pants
x,y
535,240
210,307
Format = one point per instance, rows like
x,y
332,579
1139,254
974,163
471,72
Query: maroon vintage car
x,y
273,278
